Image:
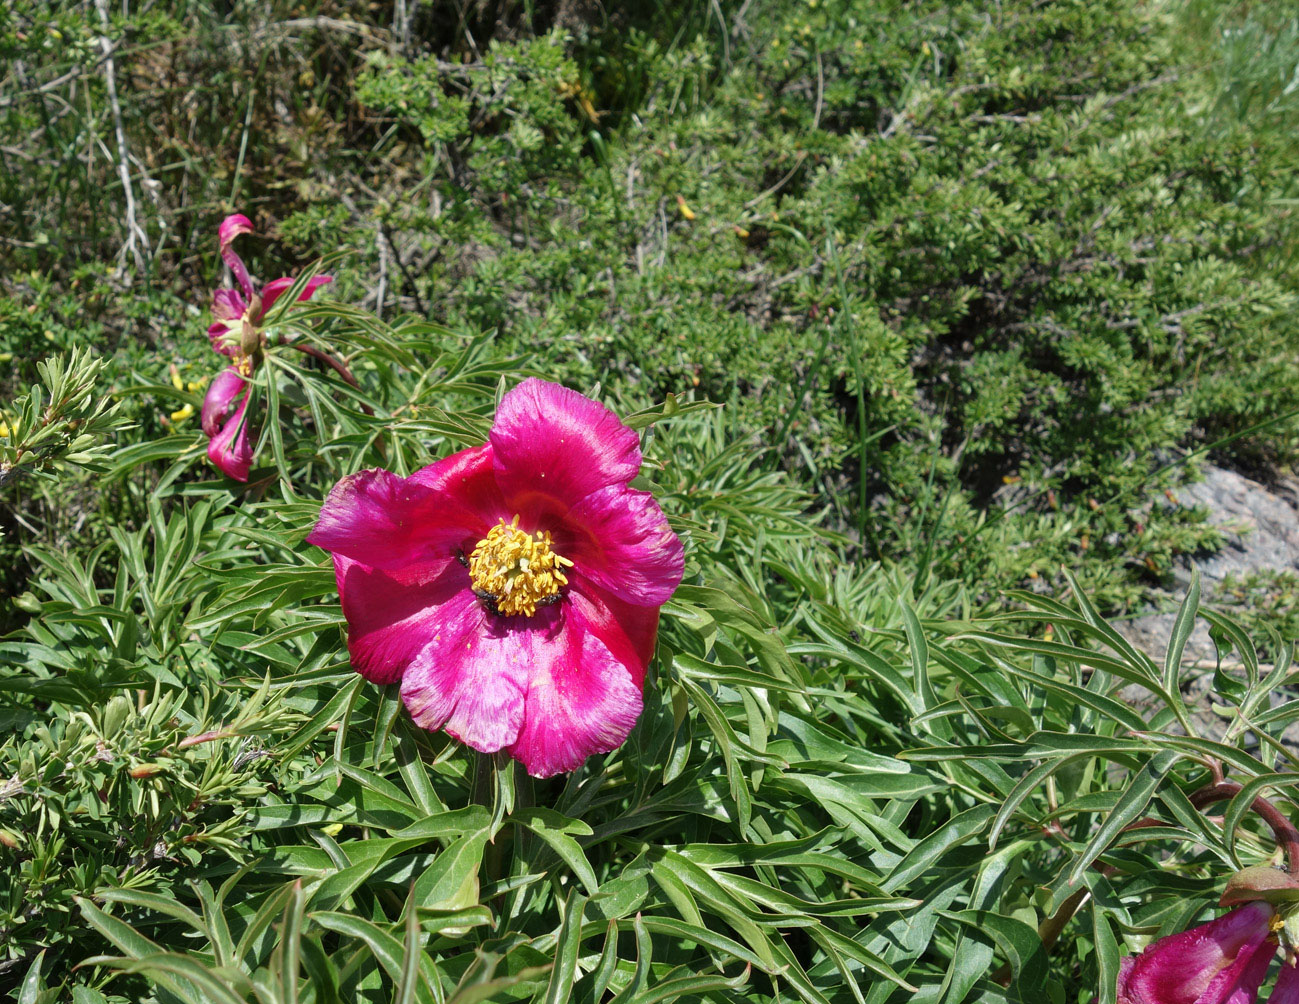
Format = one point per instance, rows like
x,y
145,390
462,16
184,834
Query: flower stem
x,y
337,365
1284,830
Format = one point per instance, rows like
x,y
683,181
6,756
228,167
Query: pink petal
x,y
231,227
553,447
393,616
390,523
471,678
1204,965
230,449
581,700
276,287
1286,990
1239,983
220,399
467,481
619,538
224,339
628,631
227,305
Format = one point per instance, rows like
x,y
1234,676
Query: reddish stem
x,y
335,364
1284,830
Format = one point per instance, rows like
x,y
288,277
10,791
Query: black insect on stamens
x,y
460,557
551,600
488,601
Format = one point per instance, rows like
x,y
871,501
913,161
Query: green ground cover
x,y
972,288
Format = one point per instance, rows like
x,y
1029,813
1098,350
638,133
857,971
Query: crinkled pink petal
x,y
471,679
1286,990
231,227
220,399
389,522
581,700
553,447
230,450
393,616
619,538
274,289
628,631
1204,965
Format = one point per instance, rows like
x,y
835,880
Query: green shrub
x,y
1000,240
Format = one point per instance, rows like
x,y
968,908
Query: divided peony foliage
x,y
237,333
513,588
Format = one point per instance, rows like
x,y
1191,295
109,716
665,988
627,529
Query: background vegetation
x,y
974,286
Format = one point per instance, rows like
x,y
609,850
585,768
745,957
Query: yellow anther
x,y
517,570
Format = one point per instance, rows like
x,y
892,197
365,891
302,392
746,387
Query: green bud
x,y
116,715
1260,882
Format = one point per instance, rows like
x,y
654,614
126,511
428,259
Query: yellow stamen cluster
x,y
516,570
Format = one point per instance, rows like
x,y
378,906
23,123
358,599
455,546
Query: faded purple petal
x,y
1208,964
220,399
227,305
274,289
1286,990
230,450
553,447
232,227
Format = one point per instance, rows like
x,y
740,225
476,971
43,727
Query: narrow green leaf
x,y
1129,807
1182,628
564,974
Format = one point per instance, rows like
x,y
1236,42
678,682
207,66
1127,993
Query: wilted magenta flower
x,y
225,423
236,333
1222,962
514,587
230,308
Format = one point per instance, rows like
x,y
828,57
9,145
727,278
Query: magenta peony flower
x,y
225,424
1221,962
230,308
514,587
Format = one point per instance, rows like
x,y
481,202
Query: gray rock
x,y
1260,526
